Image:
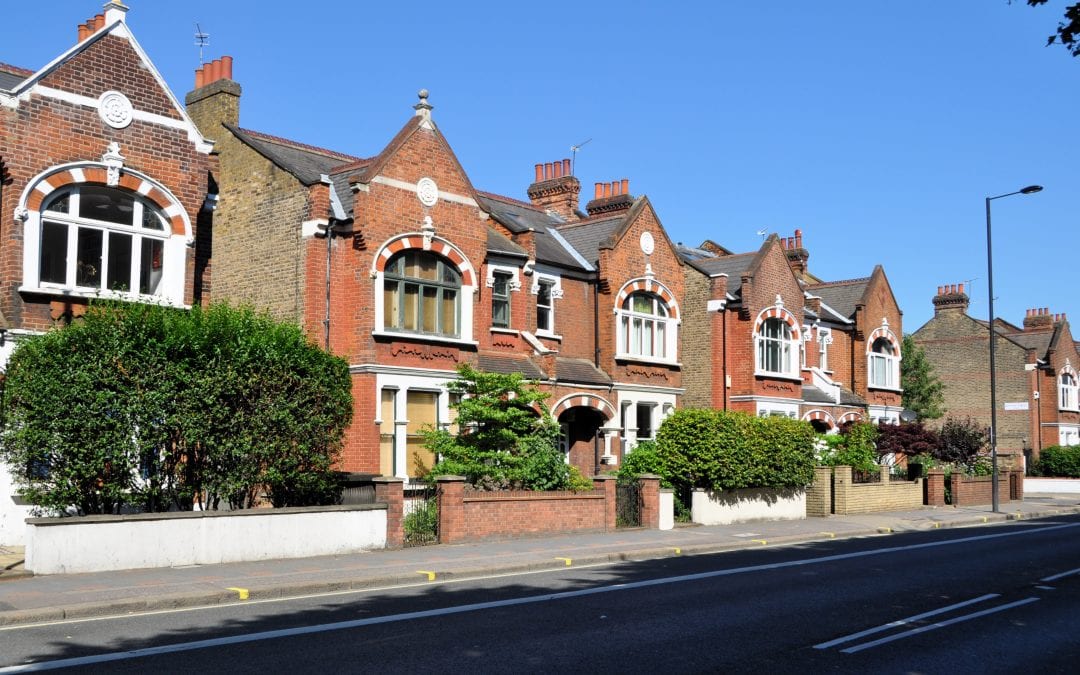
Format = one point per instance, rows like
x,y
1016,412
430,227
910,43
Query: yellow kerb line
x,y
242,592
678,551
566,561
830,535
760,541
430,575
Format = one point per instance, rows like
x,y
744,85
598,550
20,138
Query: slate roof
x,y
841,296
812,394
307,162
520,217
706,262
579,371
1040,342
499,243
508,364
586,237
9,79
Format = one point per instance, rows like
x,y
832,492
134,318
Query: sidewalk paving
x,y
25,598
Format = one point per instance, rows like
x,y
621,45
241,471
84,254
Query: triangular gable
x,y
639,206
119,29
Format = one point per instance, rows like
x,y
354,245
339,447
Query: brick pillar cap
x,y
606,476
387,479
650,476
667,490
450,479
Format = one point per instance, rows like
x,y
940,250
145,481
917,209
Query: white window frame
x,y
1068,391
824,339
777,409
788,349
890,363
555,282
624,321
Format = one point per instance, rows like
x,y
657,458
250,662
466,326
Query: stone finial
x,y
423,108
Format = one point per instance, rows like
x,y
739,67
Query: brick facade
x,y
1030,359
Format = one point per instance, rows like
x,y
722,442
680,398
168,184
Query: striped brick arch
x,y
849,417
776,312
648,286
583,401
91,173
820,416
438,245
882,332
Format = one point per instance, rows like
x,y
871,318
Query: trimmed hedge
x,y
723,450
1059,462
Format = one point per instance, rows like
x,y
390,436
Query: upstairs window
x,y
96,238
421,294
545,307
645,328
884,366
500,299
777,347
1067,392
824,340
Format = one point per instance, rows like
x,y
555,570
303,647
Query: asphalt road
x,y
985,600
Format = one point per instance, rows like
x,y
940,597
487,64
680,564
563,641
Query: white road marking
x,y
903,622
1060,576
935,626
460,609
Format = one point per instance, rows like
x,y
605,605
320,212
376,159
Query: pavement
x,y
26,598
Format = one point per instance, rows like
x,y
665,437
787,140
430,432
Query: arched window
x,y
1067,392
777,348
99,238
645,328
884,365
422,294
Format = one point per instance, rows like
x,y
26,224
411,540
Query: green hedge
x,y
723,450
1059,462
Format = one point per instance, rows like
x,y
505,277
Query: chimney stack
x,y
215,98
951,298
91,26
798,257
556,189
1038,320
613,197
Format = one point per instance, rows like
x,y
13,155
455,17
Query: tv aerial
x,y
201,40
573,154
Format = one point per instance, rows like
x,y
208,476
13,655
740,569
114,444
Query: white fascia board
x,y
570,249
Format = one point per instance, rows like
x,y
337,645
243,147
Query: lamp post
x,y
1031,189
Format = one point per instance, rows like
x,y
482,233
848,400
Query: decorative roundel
x,y
647,243
427,191
115,109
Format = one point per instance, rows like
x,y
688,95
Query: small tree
x,y
923,391
908,439
961,441
508,439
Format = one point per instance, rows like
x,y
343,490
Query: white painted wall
x,y
1070,486
12,527
743,506
102,543
667,509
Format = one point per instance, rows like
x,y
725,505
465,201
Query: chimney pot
x,y
539,173
99,22
558,169
961,288
549,171
566,167
939,290
626,186
226,67
200,79
599,191
607,189
82,32
798,238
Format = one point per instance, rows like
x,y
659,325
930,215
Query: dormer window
x,y
1067,391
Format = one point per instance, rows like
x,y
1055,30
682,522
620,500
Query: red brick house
x,y
765,336
399,264
105,185
1036,373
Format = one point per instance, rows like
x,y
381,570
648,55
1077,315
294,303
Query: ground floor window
x,y
422,412
387,446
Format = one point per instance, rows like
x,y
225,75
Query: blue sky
x,y
877,128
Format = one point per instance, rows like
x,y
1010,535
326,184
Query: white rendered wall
x,y
667,509
743,506
1052,486
12,527
101,543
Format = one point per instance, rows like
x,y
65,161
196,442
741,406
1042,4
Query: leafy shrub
x,y
1058,461
961,442
150,407
854,446
906,439
422,523
644,459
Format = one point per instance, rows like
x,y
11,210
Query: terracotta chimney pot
x,y
226,67
566,167
199,78
599,191
558,169
626,186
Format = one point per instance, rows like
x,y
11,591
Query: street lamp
x,y
1031,189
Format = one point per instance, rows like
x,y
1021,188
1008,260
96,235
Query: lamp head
x,y
1031,189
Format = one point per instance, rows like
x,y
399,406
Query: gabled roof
x,y
732,265
306,162
812,394
1040,342
588,235
518,217
841,296
11,76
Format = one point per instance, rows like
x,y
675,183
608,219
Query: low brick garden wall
x,y
973,490
834,493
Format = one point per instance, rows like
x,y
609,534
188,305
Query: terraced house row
x,y
398,263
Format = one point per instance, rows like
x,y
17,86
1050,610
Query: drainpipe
x,y
596,322
723,383
337,217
